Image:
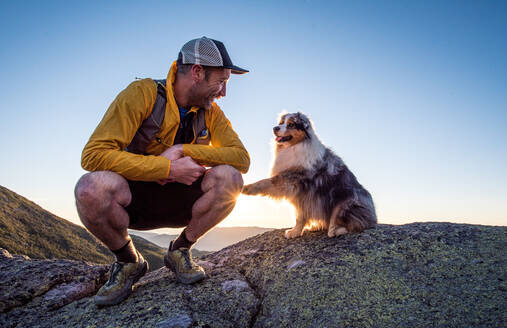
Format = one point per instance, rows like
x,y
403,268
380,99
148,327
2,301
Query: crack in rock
x,y
257,294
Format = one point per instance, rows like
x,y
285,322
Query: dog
x,y
324,192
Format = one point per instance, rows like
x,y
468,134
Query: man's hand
x,y
184,170
164,181
173,153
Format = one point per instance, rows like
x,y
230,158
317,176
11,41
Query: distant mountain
x,y
159,239
28,229
214,240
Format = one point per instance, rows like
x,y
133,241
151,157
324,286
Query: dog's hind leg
x,y
338,231
359,217
336,227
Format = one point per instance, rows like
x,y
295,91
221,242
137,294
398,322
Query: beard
x,y
199,98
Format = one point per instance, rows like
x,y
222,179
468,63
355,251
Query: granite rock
x,y
414,275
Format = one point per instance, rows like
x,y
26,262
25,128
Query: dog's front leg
x,y
263,187
298,228
276,187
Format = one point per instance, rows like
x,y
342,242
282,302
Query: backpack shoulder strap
x,y
202,134
152,124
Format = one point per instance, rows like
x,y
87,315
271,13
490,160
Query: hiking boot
x,y
121,279
181,263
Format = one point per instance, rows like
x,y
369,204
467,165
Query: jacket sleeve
x,y
225,148
106,148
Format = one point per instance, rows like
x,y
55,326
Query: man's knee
x,y
96,189
226,177
87,189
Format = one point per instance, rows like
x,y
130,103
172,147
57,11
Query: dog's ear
x,y
281,115
304,120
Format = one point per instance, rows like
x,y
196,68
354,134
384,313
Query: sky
x,y
411,94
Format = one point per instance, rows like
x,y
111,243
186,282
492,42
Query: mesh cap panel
x,y
201,51
208,52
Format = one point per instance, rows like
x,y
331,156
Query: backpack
x,y
192,126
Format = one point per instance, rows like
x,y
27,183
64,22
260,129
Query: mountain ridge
x,y
28,229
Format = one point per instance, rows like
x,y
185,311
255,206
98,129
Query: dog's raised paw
x,y
259,187
248,189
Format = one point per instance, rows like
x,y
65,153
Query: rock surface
x,y
415,275
49,284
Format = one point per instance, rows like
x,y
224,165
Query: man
x,y
150,173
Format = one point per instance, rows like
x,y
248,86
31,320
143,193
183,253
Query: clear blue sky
x,y
411,94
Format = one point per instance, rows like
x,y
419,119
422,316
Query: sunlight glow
x,y
261,212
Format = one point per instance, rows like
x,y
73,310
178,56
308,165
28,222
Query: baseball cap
x,y
207,52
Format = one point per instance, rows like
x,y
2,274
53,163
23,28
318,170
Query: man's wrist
x,y
169,164
180,150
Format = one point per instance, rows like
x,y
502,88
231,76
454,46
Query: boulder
x,y
414,275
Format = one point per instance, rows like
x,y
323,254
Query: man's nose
x,y
276,129
223,91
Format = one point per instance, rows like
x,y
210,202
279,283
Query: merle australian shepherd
x,y
325,194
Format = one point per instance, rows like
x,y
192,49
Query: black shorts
x,y
155,206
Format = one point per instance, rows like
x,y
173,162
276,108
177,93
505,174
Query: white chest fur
x,y
303,155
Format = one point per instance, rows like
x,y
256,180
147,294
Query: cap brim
x,y
237,70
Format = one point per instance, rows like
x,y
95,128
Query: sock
x,y
127,253
182,241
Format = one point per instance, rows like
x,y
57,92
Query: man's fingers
x,y
173,153
162,182
185,170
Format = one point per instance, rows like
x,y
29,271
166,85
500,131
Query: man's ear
x,y
197,72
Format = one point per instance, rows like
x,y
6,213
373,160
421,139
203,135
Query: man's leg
x,y
100,200
221,186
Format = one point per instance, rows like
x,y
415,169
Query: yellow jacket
x,y
105,151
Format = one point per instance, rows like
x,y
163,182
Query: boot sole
x,y
124,293
182,279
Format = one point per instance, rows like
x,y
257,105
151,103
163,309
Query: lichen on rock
x,y
415,275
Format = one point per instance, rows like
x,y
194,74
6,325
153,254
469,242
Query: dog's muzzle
x,y
279,138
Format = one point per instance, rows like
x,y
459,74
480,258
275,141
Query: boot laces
x,y
188,258
113,276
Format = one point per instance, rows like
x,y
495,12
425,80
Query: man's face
x,y
204,92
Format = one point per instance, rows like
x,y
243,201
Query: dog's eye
x,y
290,125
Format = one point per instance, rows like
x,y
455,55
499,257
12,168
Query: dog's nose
x,y
276,129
